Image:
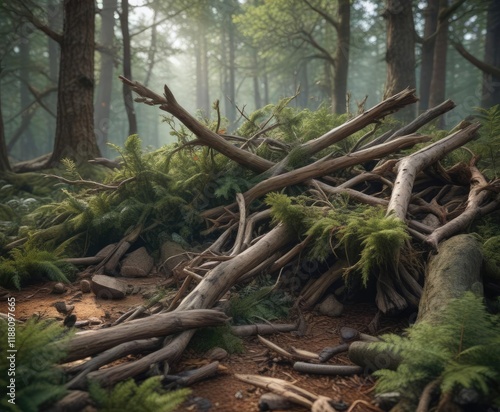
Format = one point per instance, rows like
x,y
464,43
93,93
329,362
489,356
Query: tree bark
x,y
400,55
455,269
341,72
105,86
75,138
4,158
438,82
491,83
427,63
127,68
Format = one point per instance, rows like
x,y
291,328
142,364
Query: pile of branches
x,y
433,203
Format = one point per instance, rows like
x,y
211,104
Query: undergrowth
x,y
220,336
24,266
38,382
459,350
364,235
146,397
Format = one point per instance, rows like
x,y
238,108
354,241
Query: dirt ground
x,y
224,392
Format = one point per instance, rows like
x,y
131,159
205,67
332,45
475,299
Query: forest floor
x,y
224,392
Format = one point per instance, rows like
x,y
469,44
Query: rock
x,y
239,395
330,307
63,308
69,321
85,286
81,323
137,264
107,287
271,401
59,288
172,254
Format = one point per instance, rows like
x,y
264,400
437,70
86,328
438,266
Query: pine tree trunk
x,y
491,84
4,159
127,68
342,56
438,82
400,55
75,138
431,18
103,100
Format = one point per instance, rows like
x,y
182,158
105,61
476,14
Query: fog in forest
x,y
246,55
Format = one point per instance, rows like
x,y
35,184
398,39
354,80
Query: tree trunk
x,y
4,158
54,19
103,100
27,143
75,138
342,56
438,82
400,55
229,54
431,19
127,69
491,83
255,78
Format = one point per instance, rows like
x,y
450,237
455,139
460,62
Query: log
x,y
88,343
454,270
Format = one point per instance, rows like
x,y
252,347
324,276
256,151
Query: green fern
x,y
459,350
207,338
130,397
489,142
380,237
38,381
30,264
258,301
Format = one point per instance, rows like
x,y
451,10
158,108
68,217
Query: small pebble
x,y
59,288
85,286
239,395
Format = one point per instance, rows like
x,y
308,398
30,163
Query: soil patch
x,y
224,392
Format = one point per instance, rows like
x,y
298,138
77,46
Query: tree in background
x,y
400,54
319,29
102,108
4,160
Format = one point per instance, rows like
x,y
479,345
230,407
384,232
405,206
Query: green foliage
x,y
380,237
488,144
40,345
460,350
370,240
258,301
29,264
207,338
130,397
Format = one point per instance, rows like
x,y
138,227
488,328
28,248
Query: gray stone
x,y
330,307
137,264
106,287
85,286
59,288
171,255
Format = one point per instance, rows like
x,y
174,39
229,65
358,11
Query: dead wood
x,y
262,329
410,166
190,377
425,118
477,197
124,349
455,269
88,343
317,369
313,293
168,103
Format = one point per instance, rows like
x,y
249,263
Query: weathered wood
x,y
455,269
88,343
410,166
477,196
